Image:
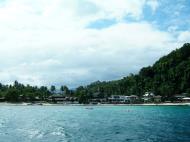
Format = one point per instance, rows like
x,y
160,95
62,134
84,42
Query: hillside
x,y
168,76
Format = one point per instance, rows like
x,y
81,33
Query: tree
x,y
12,95
168,76
62,89
66,90
52,89
82,95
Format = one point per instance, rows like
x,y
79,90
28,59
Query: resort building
x,y
133,99
148,97
116,99
97,97
98,100
157,99
60,99
178,98
186,99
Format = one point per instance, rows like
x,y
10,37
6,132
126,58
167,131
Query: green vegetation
x,y
21,93
170,75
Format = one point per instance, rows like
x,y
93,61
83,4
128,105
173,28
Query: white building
x,y
122,99
148,97
186,99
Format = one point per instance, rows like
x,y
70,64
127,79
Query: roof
x,y
59,99
158,96
186,98
134,96
57,96
96,94
148,94
179,96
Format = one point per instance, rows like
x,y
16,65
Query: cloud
x,y
49,42
153,4
184,36
120,8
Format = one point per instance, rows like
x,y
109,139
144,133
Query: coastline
x,y
49,104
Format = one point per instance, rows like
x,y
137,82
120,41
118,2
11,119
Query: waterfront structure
x,y
97,97
133,99
98,100
59,99
157,99
178,98
186,99
115,99
148,97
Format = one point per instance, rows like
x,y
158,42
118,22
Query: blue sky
x,y
75,42
165,15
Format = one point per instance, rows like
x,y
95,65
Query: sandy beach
x,y
49,104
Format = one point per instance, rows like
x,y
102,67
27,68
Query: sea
x,y
94,123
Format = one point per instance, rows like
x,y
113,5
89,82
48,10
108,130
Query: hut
x,y
186,99
157,99
148,97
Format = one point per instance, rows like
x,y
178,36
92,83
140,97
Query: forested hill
x,y
170,75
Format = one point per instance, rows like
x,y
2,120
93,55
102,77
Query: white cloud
x,y
184,36
153,4
120,8
46,42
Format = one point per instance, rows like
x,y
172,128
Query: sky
x,y
76,42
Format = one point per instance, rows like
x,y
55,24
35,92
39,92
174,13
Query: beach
x,y
70,104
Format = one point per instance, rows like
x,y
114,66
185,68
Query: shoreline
x,y
49,104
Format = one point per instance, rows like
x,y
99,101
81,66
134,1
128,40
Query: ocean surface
x,y
95,124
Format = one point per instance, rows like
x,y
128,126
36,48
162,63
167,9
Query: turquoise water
x,y
100,124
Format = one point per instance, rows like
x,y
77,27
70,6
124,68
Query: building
x,y
56,99
116,99
60,99
178,98
119,99
148,97
98,100
186,100
97,97
133,99
157,99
